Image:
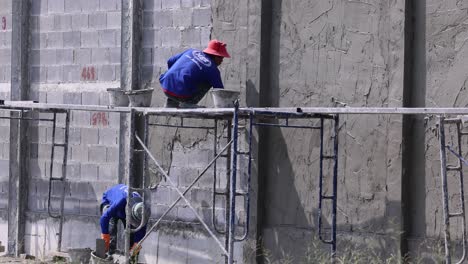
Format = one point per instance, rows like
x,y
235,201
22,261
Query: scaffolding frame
x,y
235,114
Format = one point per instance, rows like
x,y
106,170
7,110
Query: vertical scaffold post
x,y
443,175
335,184
232,184
128,170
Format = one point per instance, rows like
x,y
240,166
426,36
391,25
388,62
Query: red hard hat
x,y
217,48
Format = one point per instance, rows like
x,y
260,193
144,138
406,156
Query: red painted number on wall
x,y
99,119
88,74
3,23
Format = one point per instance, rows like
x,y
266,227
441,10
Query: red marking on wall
x,y
88,74
3,23
99,119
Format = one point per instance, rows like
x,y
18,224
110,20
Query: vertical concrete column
x,y
19,142
129,77
413,151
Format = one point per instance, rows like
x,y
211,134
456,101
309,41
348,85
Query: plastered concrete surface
x,y
350,51
447,57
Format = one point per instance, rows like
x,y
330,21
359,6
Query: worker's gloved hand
x,y
135,249
106,238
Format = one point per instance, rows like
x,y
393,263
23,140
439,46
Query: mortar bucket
x,y
97,260
117,97
140,98
79,255
224,98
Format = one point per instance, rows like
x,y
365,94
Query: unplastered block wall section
x,y
187,154
75,55
5,78
447,54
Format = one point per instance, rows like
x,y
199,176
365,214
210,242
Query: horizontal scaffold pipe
x,y
289,112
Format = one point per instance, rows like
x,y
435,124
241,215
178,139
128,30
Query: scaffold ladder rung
x,y
454,168
458,214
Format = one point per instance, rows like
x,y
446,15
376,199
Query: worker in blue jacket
x,y
113,205
192,73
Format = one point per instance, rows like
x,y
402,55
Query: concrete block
x,y
89,207
38,40
71,73
5,40
80,118
182,18
201,197
114,20
47,57
147,73
71,98
55,97
159,209
64,56
35,57
89,39
151,38
5,55
37,74
147,56
162,18
106,73
4,131
148,18
191,37
170,4
161,55
109,5
55,6
62,22
72,6
79,21
152,4
186,3
97,154
170,37
79,153
39,7
164,195
54,74
82,56
185,213
114,55
108,172
202,16
73,171
71,206
89,172
89,136
80,190
100,56
112,154
4,168
108,137
104,98
37,203
107,38
97,20
46,23
74,136
72,39
90,6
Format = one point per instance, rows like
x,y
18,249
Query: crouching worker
x,y
113,205
192,73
